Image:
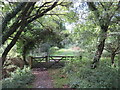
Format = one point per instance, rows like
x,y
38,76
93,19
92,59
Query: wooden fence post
x,y
47,58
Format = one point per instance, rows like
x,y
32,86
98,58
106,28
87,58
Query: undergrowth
x,y
19,78
80,74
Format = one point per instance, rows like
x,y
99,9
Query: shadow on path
x,y
42,78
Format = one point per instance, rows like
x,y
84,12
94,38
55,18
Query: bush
x,y
18,79
82,76
53,50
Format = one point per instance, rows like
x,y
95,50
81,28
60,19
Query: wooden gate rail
x,y
40,58
56,59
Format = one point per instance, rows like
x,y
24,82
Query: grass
x,y
66,52
59,80
80,75
29,86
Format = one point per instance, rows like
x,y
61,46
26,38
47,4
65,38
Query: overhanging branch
x,y
12,14
43,13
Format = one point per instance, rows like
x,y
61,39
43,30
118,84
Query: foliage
x,y
20,18
41,34
53,50
49,30
18,79
82,76
113,41
13,53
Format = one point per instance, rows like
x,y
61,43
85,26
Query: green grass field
x,y
65,52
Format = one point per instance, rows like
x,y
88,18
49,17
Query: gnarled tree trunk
x,y
100,47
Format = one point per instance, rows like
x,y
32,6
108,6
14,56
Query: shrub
x,y
18,79
82,76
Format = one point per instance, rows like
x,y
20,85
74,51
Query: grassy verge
x,y
82,76
59,80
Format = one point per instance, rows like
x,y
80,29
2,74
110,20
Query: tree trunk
x,y
12,29
12,44
24,59
26,10
100,47
112,57
22,26
24,55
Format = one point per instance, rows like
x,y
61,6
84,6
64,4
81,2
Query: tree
x,y
104,13
26,16
112,44
12,14
113,48
37,35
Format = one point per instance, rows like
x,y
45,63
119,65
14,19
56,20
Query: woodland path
x,y
42,78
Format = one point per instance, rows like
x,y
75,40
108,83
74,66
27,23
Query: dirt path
x,y
42,78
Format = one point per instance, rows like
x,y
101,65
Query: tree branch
x,y
118,7
103,6
17,23
41,14
93,8
12,14
41,7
